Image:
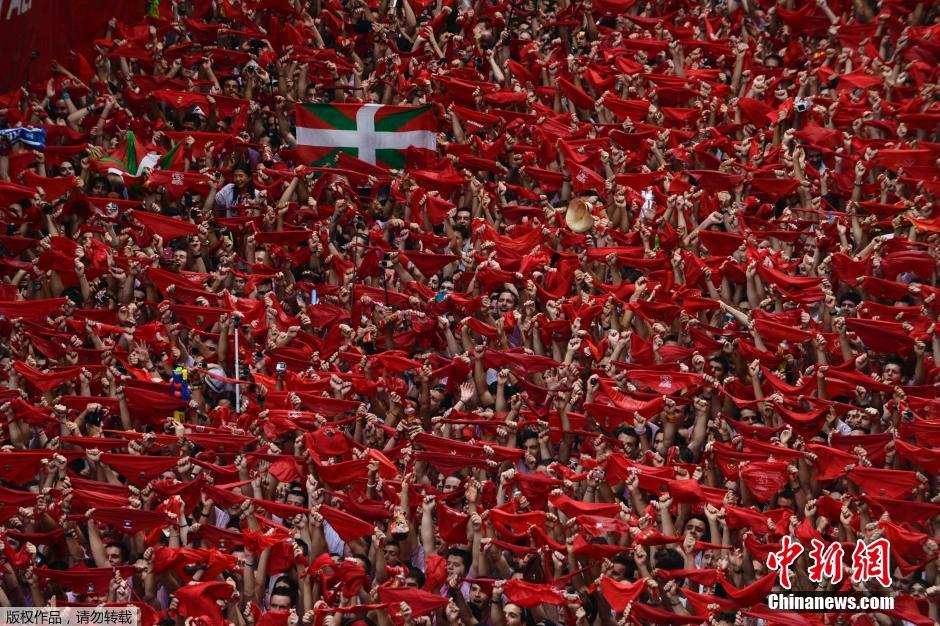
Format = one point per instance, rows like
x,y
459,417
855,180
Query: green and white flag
x,y
374,133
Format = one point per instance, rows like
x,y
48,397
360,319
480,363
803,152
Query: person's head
x,y
66,169
241,175
192,122
848,304
697,526
438,395
461,235
458,562
263,288
623,568
116,553
629,441
786,499
452,483
893,369
658,438
392,552
181,257
727,618
513,614
669,559
478,596
60,110
363,561
506,302
230,87
415,578
529,441
719,367
283,597
295,497
463,217
99,187
772,60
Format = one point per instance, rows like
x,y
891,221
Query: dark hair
x,y
628,564
120,546
851,296
894,359
285,588
74,294
368,564
463,554
418,575
706,536
670,559
527,434
246,169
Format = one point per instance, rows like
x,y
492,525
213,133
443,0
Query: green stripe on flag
x,y
395,121
329,159
167,159
116,161
394,159
332,116
130,156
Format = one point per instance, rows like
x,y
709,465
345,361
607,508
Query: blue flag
x,y
32,137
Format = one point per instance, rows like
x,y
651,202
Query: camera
x,y
281,367
802,106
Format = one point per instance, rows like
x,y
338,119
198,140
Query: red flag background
x,y
53,29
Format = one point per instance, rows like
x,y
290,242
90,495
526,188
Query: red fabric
x,y
347,526
167,227
884,483
765,479
85,580
199,600
130,521
619,595
421,602
138,469
528,595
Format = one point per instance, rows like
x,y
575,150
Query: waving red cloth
x,y
528,595
199,600
765,478
167,227
347,526
85,581
881,335
753,593
927,459
885,483
421,602
619,595
31,310
46,381
130,521
139,469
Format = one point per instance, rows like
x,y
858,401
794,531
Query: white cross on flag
x,y
374,133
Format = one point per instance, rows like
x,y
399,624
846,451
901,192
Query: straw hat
x,y
579,216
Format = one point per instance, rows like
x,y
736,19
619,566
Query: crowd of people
x,y
661,304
